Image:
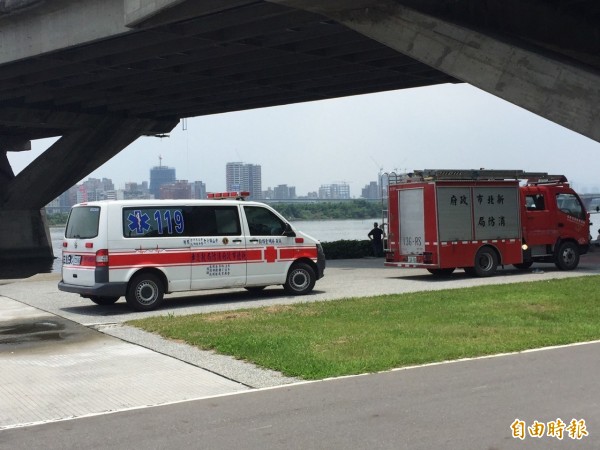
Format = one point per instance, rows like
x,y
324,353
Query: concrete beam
x,y
552,88
14,144
59,24
72,157
153,13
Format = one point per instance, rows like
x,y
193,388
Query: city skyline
x,y
164,184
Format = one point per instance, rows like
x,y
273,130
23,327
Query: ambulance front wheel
x,y
300,279
486,262
145,292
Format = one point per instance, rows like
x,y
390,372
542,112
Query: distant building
x,y
337,191
136,191
198,190
371,191
284,192
160,175
95,189
180,190
244,177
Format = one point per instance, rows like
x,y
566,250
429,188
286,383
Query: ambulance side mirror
x,y
288,231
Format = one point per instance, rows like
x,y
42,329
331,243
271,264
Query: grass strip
x,y
351,336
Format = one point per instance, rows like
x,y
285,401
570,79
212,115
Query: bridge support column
x,y
24,235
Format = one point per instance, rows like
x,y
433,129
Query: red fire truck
x,y
441,220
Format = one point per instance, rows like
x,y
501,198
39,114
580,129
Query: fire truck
x,y
477,220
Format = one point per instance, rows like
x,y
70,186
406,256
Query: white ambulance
x,y
142,249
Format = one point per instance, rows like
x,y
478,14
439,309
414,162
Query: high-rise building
x,y
244,177
284,192
234,176
337,191
160,175
371,191
198,189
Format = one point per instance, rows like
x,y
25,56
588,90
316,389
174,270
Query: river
x,y
323,230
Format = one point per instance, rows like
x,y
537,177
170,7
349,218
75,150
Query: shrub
x,y
347,249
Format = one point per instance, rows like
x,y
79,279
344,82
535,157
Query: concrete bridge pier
x,y
24,235
24,232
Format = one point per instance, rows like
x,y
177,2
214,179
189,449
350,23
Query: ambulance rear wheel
x,y
567,256
103,300
145,292
486,262
300,279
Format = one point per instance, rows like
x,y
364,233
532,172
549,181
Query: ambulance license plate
x,y
73,260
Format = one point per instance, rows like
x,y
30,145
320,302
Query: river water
x,y
323,230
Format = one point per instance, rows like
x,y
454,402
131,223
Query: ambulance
x,y
478,220
143,249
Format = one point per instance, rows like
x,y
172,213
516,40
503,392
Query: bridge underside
x,y
139,69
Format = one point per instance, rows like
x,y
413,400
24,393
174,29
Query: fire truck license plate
x,y
73,260
412,259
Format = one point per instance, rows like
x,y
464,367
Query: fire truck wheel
x,y
145,292
103,300
567,256
300,279
486,262
441,272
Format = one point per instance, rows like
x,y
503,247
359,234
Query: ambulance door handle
x,y
237,241
254,241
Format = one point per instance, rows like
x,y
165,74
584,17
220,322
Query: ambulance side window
x,y
215,221
263,222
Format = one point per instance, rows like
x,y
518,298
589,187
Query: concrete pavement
x,y
63,357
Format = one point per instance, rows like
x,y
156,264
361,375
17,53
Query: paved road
x,y
463,405
343,279
81,361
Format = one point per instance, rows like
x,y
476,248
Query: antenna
x,y
159,161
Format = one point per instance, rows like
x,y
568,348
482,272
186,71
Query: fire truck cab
x,y
142,249
477,220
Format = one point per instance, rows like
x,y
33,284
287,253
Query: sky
x,y
353,139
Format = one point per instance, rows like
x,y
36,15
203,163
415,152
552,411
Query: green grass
x,y
351,336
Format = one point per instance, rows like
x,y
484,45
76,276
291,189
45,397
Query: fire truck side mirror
x,y
288,231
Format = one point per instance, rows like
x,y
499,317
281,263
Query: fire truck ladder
x,y
385,180
482,174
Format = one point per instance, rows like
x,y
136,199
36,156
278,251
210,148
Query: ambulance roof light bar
x,y
236,195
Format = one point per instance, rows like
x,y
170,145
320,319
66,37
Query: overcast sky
x,y
351,139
